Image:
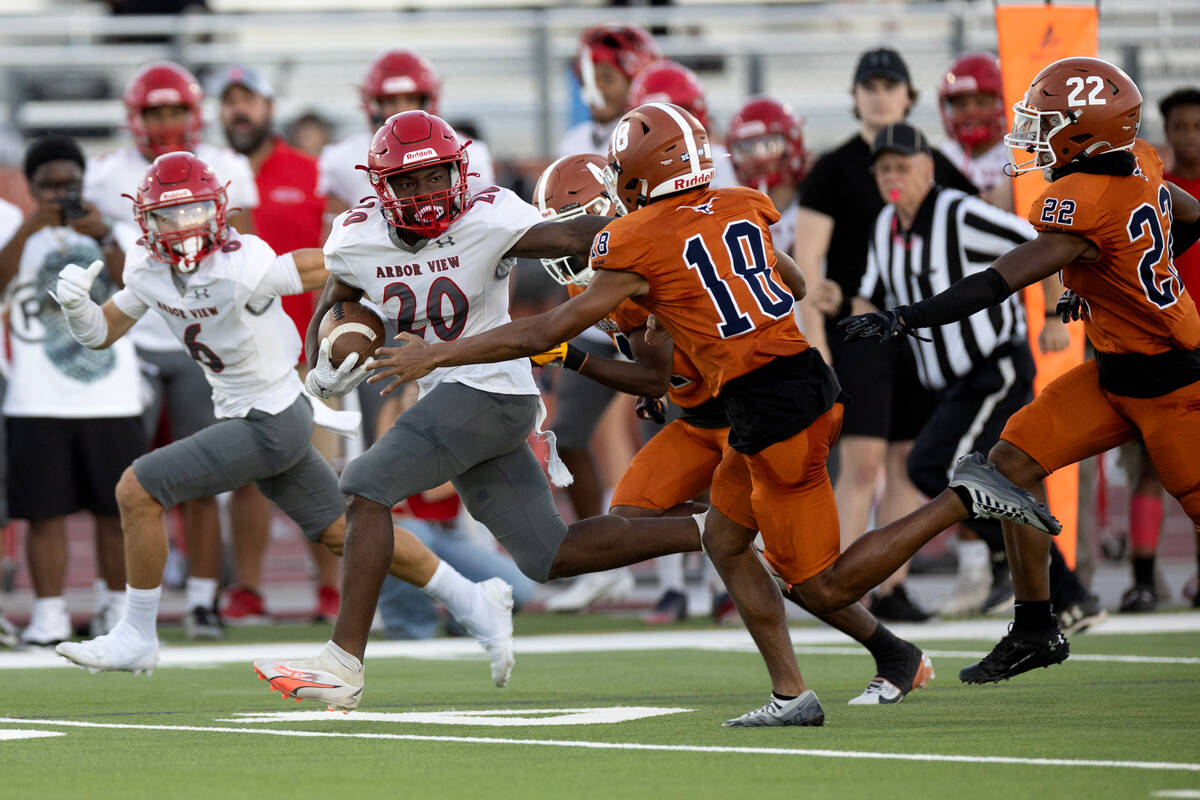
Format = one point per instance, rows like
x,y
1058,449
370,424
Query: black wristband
x,y
973,293
1183,236
574,358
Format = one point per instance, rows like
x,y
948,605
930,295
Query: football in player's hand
x,y
351,328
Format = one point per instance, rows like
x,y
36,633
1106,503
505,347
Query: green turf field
x,y
178,733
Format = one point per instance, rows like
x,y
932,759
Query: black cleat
x,y
897,606
1019,651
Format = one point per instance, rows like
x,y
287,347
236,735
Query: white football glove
x,y
74,286
325,382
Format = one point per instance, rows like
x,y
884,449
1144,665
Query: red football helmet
x,y
973,73
627,47
656,150
669,82
415,140
571,186
164,84
1075,108
399,72
766,141
180,206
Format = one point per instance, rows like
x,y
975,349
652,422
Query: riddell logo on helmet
x,y
175,194
420,155
689,181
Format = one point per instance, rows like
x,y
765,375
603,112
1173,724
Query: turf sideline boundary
x,y
726,640
1170,766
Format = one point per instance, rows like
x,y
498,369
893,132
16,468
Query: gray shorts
x,y
179,383
580,401
476,440
272,450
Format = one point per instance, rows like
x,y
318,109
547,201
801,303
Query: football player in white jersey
x,y
427,252
609,58
971,99
217,290
397,80
163,111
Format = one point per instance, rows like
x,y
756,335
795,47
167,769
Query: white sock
x,y
454,591
670,572
345,659
201,592
973,556
141,611
47,608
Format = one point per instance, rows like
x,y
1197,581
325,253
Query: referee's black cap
x,y
900,138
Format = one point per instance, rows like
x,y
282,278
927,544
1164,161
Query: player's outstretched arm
x,y
1016,269
413,358
310,264
570,237
334,292
648,375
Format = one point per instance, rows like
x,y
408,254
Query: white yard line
x,y
669,748
987,631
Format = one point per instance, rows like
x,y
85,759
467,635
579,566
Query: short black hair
x,y
1187,96
52,147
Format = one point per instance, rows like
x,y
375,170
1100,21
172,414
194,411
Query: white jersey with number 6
x,y
228,316
441,288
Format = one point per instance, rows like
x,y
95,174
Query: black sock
x,y
783,698
1143,570
1033,615
965,497
892,655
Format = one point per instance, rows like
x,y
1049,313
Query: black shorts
x,y
887,398
59,466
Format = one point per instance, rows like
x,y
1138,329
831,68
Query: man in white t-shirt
x,y
73,417
163,109
218,293
427,252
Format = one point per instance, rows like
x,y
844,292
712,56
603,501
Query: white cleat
x,y
803,710
492,627
591,588
112,652
880,691
323,679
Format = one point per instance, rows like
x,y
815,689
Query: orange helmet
x,y
1075,108
571,186
656,149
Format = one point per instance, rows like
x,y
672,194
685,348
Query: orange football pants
x,y
784,492
675,466
1073,419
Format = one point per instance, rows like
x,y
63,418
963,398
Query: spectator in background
x,y
839,202
163,105
309,133
1181,123
73,415
288,217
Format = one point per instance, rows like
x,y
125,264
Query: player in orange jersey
x,y
1111,223
702,261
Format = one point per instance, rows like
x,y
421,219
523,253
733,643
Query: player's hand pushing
x,y
410,359
886,325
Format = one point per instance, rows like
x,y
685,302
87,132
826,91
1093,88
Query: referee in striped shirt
x,y
980,369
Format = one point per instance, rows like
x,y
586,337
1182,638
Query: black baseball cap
x,y
882,62
900,138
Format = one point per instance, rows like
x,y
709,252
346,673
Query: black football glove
x,y
887,325
1070,307
652,408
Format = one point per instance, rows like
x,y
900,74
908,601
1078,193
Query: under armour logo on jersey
x,y
704,209
200,294
445,241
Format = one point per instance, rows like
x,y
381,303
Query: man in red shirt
x,y
288,217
